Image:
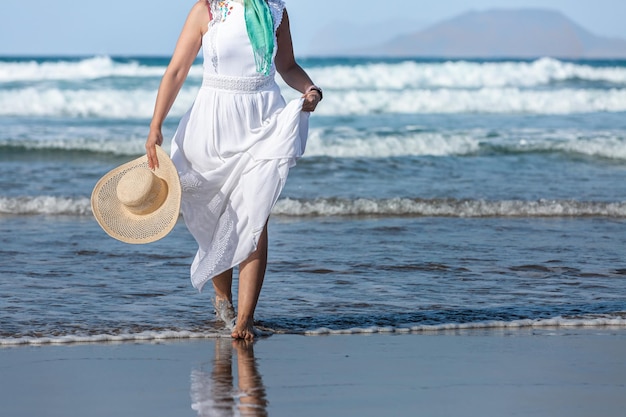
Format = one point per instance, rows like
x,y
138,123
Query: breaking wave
x,y
330,207
83,69
139,103
343,142
104,87
466,74
380,75
46,205
411,207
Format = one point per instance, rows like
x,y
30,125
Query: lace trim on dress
x,y
217,17
276,7
239,84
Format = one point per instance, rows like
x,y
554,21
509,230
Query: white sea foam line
x,y
462,74
344,142
353,144
337,142
447,208
86,69
107,338
407,74
131,146
139,103
557,322
612,147
54,205
350,143
486,100
48,205
110,103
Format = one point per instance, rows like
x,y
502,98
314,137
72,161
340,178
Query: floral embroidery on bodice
x,y
227,35
225,8
221,9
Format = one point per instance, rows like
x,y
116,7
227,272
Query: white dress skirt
x,y
233,149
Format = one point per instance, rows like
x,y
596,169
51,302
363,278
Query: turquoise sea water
x,y
433,194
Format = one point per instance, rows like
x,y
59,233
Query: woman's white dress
x,y
233,149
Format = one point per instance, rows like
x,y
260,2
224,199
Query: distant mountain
x,y
500,33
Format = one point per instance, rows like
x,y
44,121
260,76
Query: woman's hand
x,y
311,99
155,137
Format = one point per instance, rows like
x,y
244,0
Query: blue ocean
x,y
434,195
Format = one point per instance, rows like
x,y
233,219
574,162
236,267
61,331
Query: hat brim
x,y
125,226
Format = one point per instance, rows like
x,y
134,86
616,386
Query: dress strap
x,y
208,6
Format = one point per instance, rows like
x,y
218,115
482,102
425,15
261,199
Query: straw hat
x,y
134,204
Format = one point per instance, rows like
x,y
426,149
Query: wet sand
x,y
526,372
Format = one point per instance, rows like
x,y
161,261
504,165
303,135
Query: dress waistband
x,y
238,84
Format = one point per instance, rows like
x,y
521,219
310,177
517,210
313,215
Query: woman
x,y
234,147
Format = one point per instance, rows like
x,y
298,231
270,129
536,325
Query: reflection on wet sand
x,y
213,392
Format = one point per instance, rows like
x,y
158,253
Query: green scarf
x,y
260,26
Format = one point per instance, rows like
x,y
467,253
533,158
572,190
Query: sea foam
x,y
84,69
345,142
103,103
410,207
352,143
118,90
46,205
379,75
552,323
331,207
139,103
464,74
156,336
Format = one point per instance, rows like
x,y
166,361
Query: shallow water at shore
x,y
328,273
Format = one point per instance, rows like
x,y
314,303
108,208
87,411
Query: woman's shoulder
x,y
201,4
200,12
201,7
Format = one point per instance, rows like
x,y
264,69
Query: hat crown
x,y
140,191
135,204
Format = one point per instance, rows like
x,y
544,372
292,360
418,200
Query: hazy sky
x,y
142,27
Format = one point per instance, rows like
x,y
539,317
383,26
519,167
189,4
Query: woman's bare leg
x,y
222,284
251,275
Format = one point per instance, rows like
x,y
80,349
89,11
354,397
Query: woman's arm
x,y
187,47
289,69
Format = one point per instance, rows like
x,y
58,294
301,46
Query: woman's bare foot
x,y
244,329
